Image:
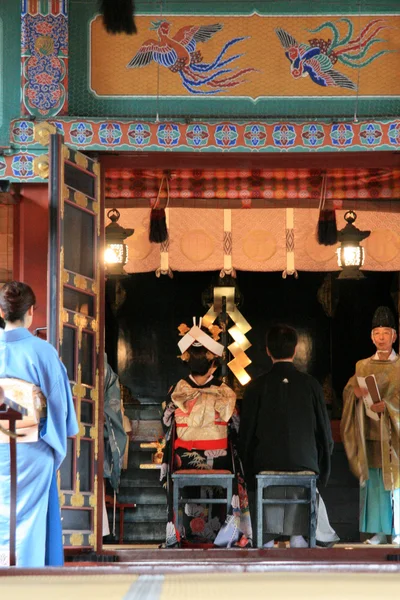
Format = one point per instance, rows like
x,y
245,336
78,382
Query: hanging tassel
x,y
158,226
118,16
158,232
327,228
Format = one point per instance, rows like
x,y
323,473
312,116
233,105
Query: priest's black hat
x,y
383,317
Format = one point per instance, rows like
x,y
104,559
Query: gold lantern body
x,y
350,255
116,253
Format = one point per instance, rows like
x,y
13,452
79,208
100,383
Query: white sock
x,y
269,544
396,540
378,538
297,541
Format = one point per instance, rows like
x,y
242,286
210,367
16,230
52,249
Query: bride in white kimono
x,y
25,357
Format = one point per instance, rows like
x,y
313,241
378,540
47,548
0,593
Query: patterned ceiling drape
x,y
247,185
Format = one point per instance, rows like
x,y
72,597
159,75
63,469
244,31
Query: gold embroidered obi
x,y
202,415
25,396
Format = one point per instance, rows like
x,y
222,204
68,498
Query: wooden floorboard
x,y
341,553
356,558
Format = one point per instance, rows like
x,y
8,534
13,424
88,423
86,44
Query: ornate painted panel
x,y
242,59
9,66
203,136
1,71
44,57
251,56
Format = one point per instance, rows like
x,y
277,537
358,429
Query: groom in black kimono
x,y
285,426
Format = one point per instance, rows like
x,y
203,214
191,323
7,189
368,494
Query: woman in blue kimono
x,y
23,356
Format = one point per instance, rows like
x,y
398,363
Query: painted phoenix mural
x,y
251,57
179,54
317,58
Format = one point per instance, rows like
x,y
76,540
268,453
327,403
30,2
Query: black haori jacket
x,y
284,424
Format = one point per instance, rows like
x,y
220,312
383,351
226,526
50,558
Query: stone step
x,y
146,431
147,400
146,522
136,458
144,413
137,478
138,455
144,532
145,495
143,513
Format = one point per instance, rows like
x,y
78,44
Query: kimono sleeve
x,y
351,428
61,419
392,402
225,402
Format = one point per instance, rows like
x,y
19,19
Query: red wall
x,y
31,228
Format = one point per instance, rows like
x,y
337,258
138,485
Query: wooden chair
x,y
302,479
195,478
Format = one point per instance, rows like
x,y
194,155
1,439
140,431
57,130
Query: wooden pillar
x,y
31,228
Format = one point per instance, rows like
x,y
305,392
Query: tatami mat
x,y
69,587
257,586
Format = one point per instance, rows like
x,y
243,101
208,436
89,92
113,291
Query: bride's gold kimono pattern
x,y
202,415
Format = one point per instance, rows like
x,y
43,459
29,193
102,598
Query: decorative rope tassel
x,y
158,232
118,16
327,228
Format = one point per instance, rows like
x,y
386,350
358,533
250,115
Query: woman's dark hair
x,y
200,360
282,341
16,298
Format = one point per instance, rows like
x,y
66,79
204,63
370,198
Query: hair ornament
x,y
183,328
195,336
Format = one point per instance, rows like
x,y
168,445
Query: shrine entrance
x,y
238,183
143,310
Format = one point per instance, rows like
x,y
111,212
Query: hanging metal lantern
x,y
351,255
116,254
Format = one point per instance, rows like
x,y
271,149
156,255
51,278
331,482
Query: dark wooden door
x,y
75,328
